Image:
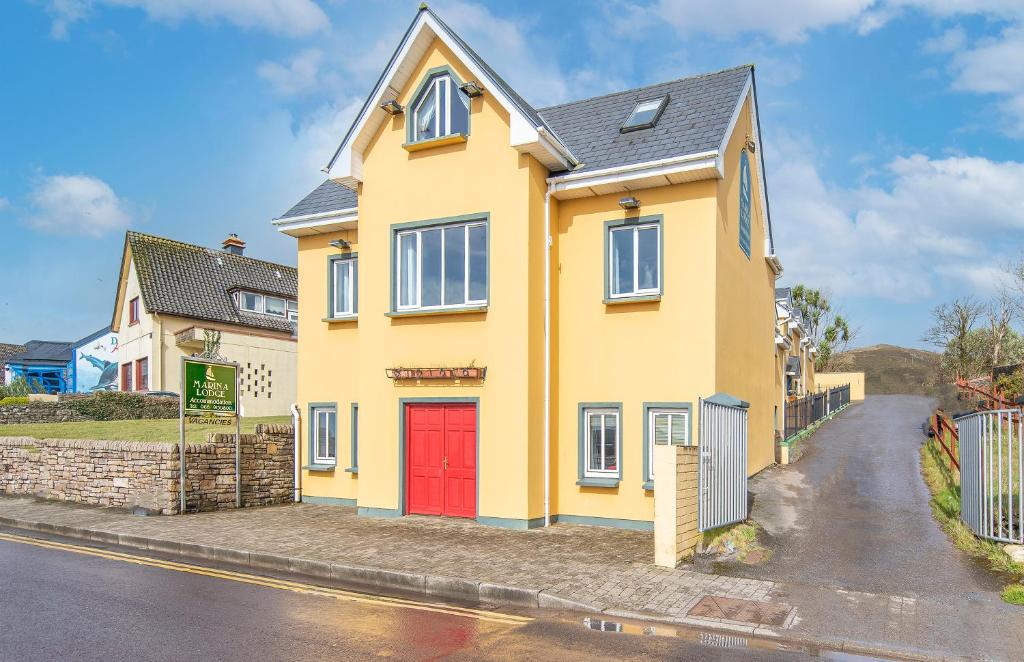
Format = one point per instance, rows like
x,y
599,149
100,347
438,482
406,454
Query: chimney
x,y
234,245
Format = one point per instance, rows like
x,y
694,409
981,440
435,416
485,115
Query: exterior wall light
x,y
472,89
750,145
630,203
392,107
341,243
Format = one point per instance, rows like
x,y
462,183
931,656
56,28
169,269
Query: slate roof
x,y
695,120
329,196
43,352
89,338
196,282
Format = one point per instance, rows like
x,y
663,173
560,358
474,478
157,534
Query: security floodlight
x,y
392,107
472,89
630,203
341,243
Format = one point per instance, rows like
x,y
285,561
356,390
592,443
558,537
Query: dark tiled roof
x,y
695,120
783,293
196,282
43,352
92,336
7,350
329,196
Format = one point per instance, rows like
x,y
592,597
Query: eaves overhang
x,y
320,223
636,176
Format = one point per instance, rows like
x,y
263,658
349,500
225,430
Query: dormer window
x,y
645,114
266,304
439,109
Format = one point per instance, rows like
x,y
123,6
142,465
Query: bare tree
x,y
951,329
1000,316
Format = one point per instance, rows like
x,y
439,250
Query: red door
x,y
441,459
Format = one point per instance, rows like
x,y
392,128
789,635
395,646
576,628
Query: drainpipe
x,y
297,479
547,356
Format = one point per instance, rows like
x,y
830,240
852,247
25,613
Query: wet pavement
x,y
853,512
66,604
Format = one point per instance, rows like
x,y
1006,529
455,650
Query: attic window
x,y
255,302
645,114
440,109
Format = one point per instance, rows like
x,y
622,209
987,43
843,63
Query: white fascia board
x,y
297,226
627,173
348,164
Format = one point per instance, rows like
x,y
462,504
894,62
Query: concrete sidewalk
x,y
562,567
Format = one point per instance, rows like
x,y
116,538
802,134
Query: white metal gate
x,y
991,471
722,477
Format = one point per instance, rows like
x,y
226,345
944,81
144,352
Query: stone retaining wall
x,y
38,412
129,474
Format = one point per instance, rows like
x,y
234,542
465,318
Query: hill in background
x,y
889,369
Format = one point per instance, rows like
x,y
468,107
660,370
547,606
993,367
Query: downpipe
x,y
297,478
547,356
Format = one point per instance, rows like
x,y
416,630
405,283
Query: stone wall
x,y
129,474
687,466
38,412
675,504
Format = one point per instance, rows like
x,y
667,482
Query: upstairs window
x,y
133,311
441,266
255,302
439,109
645,114
343,286
745,203
634,260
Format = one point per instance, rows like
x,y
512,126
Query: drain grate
x,y
742,611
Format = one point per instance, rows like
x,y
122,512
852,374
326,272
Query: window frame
x,y
650,410
238,296
649,294
588,477
745,206
316,462
663,100
354,438
352,260
127,377
133,311
431,80
140,383
417,228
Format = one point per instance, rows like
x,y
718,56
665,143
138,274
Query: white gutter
x,y
297,484
340,213
632,167
547,356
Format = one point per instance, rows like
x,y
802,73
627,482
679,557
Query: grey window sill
x,y
637,299
346,318
649,485
319,467
352,470
437,311
598,482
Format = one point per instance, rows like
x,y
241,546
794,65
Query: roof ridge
x,y
644,87
186,244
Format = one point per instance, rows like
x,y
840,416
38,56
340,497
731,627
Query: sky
x,y
892,129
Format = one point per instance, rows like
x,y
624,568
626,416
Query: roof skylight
x,y
645,114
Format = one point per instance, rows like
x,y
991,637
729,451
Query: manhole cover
x,y
743,611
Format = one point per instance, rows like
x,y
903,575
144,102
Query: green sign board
x,y
210,388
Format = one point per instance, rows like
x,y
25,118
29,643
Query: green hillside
x,y
889,369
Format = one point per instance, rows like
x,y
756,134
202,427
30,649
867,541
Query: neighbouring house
x,y
174,298
45,364
94,365
796,352
7,350
506,307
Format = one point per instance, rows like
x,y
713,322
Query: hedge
x,y
120,406
14,400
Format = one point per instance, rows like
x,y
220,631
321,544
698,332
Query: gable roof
x,y
196,282
43,352
695,120
8,350
89,338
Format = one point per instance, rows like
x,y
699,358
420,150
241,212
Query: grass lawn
x,y
160,430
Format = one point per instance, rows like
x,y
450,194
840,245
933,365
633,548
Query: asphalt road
x,y
63,603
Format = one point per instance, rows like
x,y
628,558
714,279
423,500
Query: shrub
x,y
14,400
1012,385
118,406
16,389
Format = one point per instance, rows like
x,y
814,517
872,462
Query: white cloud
x,y
989,66
4,203
932,226
299,75
76,205
288,17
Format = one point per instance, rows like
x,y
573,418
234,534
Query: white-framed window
x,y
325,435
634,260
441,266
602,447
666,426
254,302
441,109
343,288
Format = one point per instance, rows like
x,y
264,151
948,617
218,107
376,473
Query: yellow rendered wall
x,y
632,353
484,174
328,364
745,316
827,380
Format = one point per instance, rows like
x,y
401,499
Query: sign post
x,y
209,390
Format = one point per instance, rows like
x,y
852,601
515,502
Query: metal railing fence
x,y
992,474
802,413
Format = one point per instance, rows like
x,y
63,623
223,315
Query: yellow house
x,y
504,308
170,293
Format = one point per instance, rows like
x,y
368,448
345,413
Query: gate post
x,y
675,503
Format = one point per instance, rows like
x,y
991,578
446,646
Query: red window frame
x,y
126,376
133,311
142,374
